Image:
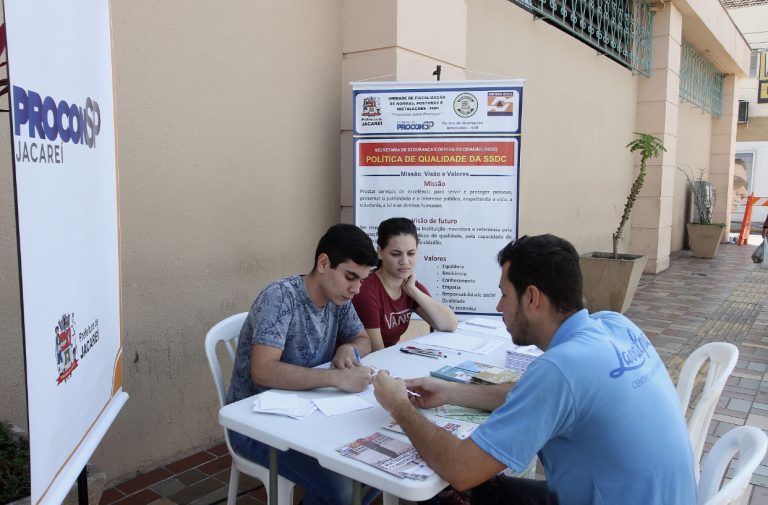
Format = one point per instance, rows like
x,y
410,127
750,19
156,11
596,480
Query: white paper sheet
x,y
461,342
336,405
494,327
270,400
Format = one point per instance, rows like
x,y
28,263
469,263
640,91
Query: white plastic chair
x,y
226,332
722,358
750,444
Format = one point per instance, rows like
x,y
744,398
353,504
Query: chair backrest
x,y
722,358
226,332
750,444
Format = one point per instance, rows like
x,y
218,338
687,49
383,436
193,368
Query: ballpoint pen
x,y
357,355
419,353
421,350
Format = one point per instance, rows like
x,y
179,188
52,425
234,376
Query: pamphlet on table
x,y
388,454
476,373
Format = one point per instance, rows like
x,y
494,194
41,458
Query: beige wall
x,y
693,147
228,119
13,405
754,131
228,162
575,170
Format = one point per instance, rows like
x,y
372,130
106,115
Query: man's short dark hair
x,y
343,242
548,262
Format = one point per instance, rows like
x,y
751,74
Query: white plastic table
x,y
319,436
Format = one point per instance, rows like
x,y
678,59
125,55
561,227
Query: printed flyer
x,y
447,156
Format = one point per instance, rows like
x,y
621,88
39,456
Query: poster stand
x,y
447,156
82,487
63,144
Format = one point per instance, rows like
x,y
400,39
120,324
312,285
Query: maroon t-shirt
x,y
377,310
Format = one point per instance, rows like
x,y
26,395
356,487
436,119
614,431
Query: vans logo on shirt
x,y
397,318
633,357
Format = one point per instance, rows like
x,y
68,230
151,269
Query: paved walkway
x,y
694,302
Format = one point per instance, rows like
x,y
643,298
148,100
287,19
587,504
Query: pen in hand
x,y
357,354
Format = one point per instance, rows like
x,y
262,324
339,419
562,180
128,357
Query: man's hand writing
x,y
353,380
345,357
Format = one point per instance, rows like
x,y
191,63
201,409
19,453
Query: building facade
x,y
235,154
751,17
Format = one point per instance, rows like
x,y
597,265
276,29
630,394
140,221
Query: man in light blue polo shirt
x,y
598,407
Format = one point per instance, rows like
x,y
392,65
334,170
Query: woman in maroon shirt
x,y
391,294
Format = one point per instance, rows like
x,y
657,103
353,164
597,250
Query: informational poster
x,y
447,156
64,148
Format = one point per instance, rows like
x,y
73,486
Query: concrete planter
x,y
704,239
610,284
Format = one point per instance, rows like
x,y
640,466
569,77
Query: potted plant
x,y
15,472
14,464
611,279
704,236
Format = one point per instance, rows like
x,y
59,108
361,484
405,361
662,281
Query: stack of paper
x,y
521,356
531,350
518,361
284,404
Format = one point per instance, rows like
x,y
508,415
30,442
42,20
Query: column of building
x,y
383,42
658,98
722,153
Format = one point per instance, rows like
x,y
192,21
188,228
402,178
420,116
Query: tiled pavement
x,y
694,302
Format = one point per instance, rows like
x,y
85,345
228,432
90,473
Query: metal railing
x,y
700,82
619,29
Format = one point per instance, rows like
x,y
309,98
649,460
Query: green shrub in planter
x,y
14,465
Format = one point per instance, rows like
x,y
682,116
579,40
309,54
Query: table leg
x,y
272,476
357,493
390,499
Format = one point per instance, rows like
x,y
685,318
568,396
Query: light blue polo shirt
x,y
601,411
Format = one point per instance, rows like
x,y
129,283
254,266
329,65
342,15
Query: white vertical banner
x,y
446,155
63,128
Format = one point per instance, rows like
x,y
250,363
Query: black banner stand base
x,y
82,487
